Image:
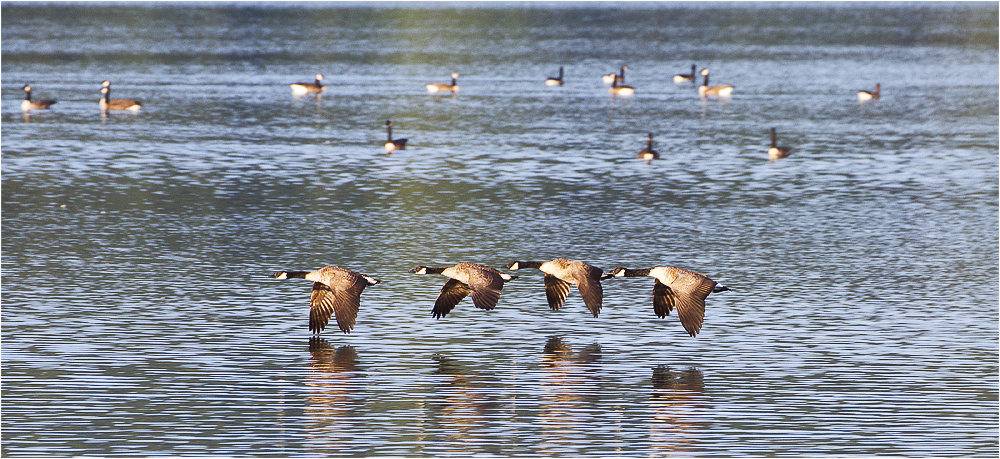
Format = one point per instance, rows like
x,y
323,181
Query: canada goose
x,y
776,152
618,87
686,77
393,145
483,282
299,89
866,95
648,153
336,291
28,105
555,81
722,90
444,87
560,274
677,287
106,103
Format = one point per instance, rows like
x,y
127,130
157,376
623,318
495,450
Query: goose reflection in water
x,y
461,403
327,359
557,352
333,394
676,401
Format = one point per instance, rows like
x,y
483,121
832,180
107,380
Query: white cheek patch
x,y
371,280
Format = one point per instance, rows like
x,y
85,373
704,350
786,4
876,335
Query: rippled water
x,y
138,318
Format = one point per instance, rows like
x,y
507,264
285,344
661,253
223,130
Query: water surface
x,y
138,318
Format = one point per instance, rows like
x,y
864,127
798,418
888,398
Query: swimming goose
x,y
561,273
686,77
869,95
678,287
336,291
777,152
618,87
722,90
393,145
483,282
648,153
299,89
555,81
28,105
444,87
106,103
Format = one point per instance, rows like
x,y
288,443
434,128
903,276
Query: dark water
x,y
138,318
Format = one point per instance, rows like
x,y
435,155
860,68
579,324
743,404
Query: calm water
x,y
138,318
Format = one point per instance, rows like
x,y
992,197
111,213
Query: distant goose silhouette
x,y
106,103
869,95
336,291
618,87
722,90
28,105
483,282
777,152
678,287
555,81
390,144
686,77
444,87
648,153
561,273
299,89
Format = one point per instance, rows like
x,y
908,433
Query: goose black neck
x,y
318,84
435,270
388,127
560,72
706,80
530,264
296,274
649,141
692,71
454,81
637,272
27,95
774,139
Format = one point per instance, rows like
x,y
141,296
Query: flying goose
x,y
678,287
299,89
336,291
28,105
444,87
618,87
648,153
483,282
107,103
561,273
393,145
686,77
722,90
777,152
869,95
555,81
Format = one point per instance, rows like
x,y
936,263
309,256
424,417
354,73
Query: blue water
x,y
139,319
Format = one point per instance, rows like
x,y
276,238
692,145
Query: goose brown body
x,y
560,274
106,103
309,88
776,151
27,104
336,291
444,87
482,282
677,287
